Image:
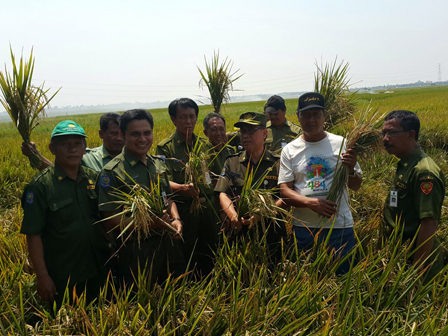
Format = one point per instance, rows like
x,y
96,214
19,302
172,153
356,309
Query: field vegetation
x,y
381,295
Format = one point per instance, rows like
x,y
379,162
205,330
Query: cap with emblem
x,y
68,127
274,103
251,119
311,100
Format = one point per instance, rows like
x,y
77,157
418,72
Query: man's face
x,y
138,137
397,141
185,121
252,138
312,121
277,119
112,139
216,132
68,150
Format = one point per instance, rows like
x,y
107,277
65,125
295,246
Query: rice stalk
x,y
24,102
218,78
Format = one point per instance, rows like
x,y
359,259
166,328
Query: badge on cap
x,y
104,181
426,187
30,197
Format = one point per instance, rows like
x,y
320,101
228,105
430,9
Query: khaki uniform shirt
x,y
280,136
175,151
96,158
233,174
62,211
420,189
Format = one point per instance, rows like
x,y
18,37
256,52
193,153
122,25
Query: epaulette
x,y
40,174
234,155
166,140
112,163
274,154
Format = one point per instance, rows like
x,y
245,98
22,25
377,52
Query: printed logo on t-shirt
x,y
317,170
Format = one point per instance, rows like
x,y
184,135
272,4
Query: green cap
x,y
68,127
251,119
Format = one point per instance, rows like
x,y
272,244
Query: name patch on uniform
x,y
30,197
426,187
401,185
104,181
271,177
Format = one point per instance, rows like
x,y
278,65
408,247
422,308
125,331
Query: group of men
x,y
64,200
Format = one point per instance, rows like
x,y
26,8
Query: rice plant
x,y
218,77
24,102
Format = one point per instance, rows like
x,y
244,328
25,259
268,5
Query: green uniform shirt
x,y
129,168
420,187
221,156
232,176
96,158
280,136
62,211
175,150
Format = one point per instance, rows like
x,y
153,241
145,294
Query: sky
x,y
106,52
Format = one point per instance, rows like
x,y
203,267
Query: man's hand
x,y
350,158
322,207
177,224
251,221
190,190
46,288
29,149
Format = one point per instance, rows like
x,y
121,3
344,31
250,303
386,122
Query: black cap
x,y
251,119
311,100
274,103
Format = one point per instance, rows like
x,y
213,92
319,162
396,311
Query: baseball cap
x,y
251,119
68,127
311,100
274,103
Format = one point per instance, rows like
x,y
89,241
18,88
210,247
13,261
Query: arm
x,y
30,149
176,223
425,240
184,189
230,211
291,197
45,285
350,159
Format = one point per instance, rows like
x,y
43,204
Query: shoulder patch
x,y
105,181
29,197
223,172
426,187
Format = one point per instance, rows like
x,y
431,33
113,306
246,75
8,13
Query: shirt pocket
x,y
63,213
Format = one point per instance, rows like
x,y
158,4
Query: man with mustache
x,y
414,202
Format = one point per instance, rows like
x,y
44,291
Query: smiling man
x,y
414,202
307,170
200,231
60,207
157,253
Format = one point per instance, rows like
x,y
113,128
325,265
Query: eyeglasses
x,y
313,115
390,133
249,130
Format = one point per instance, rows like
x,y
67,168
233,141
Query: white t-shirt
x,y
311,165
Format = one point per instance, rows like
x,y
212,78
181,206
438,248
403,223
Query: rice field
x,y
381,295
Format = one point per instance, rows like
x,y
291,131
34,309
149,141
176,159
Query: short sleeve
x,y
163,154
35,207
224,183
286,173
429,193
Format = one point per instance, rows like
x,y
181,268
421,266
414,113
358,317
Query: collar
x,y
411,158
179,140
133,159
61,174
286,123
104,152
267,156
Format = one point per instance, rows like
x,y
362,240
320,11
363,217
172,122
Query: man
x,y
262,164
94,158
413,205
215,130
282,130
60,207
307,169
158,253
200,232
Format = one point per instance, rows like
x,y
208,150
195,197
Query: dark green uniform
x,y
221,156
96,158
200,231
157,252
420,189
280,136
62,211
231,182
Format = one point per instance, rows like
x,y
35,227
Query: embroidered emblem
x,y
104,181
30,197
426,187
